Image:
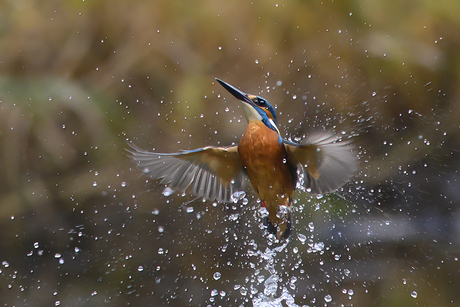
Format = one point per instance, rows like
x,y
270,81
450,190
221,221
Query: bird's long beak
x,y
251,110
236,92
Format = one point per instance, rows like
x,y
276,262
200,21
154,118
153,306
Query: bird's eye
x,y
261,102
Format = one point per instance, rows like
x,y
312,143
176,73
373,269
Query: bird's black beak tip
x,y
223,83
234,91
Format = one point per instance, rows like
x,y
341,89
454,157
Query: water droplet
x,y
217,275
238,195
328,298
140,268
317,247
414,294
168,191
260,279
302,238
233,217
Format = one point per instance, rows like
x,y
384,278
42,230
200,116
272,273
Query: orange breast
x,y
265,160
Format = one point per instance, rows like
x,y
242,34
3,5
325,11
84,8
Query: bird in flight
x,y
273,165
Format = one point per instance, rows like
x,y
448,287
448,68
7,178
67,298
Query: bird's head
x,y
255,107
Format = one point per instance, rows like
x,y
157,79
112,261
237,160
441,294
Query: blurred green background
x,y
80,226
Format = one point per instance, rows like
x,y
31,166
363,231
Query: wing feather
x,y
214,173
329,164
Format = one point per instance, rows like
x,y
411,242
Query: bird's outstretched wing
x,y
328,163
214,173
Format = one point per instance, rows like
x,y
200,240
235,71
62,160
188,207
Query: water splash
x,y
265,301
268,298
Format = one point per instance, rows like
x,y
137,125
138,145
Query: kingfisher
x,y
275,166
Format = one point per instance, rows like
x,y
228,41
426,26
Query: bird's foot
x,y
280,226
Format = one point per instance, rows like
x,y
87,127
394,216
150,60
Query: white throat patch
x,y
250,112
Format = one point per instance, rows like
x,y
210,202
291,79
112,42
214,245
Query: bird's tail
x,y
279,223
